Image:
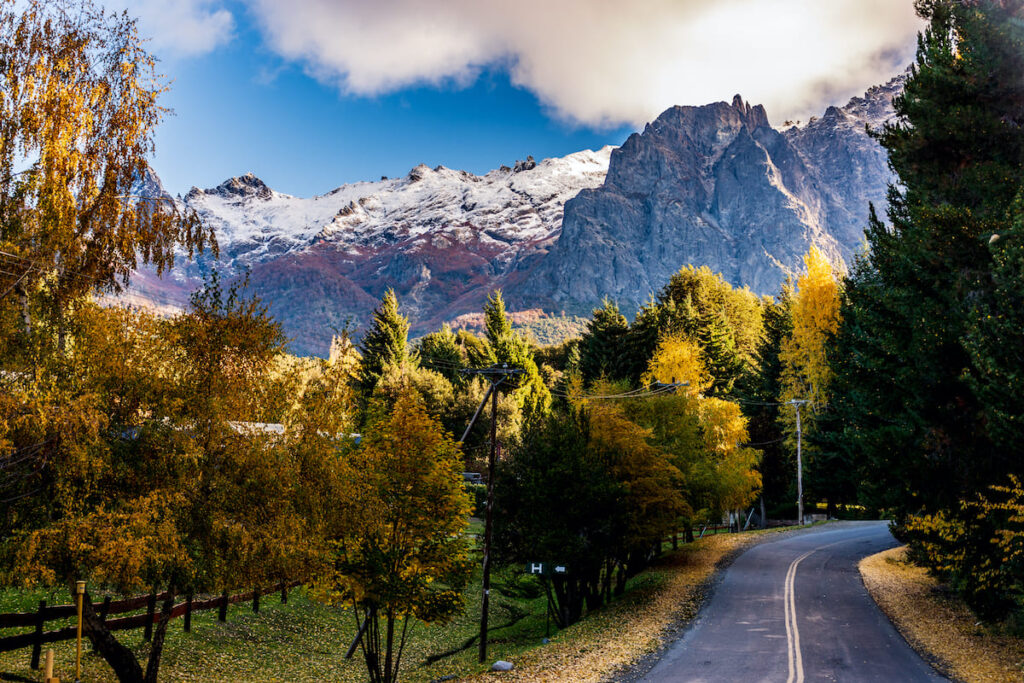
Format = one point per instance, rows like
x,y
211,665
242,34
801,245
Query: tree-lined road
x,y
796,610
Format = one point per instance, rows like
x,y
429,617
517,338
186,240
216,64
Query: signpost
x,y
545,570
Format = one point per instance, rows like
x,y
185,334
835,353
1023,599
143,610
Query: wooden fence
x,y
37,620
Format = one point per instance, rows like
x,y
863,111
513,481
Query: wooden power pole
x,y
496,374
799,465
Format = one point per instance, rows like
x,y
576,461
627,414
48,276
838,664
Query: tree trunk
x,y
153,666
688,529
26,316
389,675
121,659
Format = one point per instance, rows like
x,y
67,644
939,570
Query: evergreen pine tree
x,y
440,351
778,471
653,321
384,344
512,349
917,396
721,357
496,320
602,344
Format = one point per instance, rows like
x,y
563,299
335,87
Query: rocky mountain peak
x,y
238,187
716,185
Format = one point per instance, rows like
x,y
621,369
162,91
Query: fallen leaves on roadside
x,y
939,625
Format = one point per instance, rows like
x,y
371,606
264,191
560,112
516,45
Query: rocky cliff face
x,y
717,186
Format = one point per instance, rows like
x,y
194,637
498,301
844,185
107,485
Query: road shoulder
x,y
937,624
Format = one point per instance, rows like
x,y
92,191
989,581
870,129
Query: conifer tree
x,y
384,344
778,475
510,348
721,356
916,403
440,351
602,344
653,322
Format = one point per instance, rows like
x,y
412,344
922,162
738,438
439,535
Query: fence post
x,y
223,615
256,601
188,612
147,635
105,608
104,611
37,646
284,592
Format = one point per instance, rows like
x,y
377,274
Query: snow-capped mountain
x,y
715,185
449,231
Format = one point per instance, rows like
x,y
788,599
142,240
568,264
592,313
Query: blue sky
x,y
303,138
310,94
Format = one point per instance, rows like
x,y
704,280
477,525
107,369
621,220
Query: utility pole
x,y
799,464
496,374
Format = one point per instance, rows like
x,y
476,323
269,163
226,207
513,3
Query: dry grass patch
x,y
620,634
939,625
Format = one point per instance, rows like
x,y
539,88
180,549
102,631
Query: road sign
x,y
535,568
546,568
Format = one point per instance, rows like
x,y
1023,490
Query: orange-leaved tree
x,y
400,550
78,109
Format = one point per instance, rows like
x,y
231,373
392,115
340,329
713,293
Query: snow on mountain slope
x,y
510,205
436,235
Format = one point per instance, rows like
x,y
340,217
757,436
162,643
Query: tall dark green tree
x,y
510,348
996,341
384,344
720,353
917,401
601,349
652,321
778,471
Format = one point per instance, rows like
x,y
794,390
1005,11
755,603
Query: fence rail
x,y
38,619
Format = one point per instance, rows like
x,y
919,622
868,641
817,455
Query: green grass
x,y
303,640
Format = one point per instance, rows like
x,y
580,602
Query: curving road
x,y
796,610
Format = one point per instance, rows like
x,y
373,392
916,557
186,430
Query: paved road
x,y
795,610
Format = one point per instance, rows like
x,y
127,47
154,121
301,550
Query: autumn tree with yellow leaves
x,y
806,373
400,552
815,316
78,109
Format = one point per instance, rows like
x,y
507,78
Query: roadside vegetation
x,y
306,639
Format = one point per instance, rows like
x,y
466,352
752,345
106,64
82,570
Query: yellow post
x,y
80,590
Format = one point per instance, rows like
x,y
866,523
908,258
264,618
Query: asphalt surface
x,y
796,610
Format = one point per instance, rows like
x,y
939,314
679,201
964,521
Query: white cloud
x,y
604,61
179,27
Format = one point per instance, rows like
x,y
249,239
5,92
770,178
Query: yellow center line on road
x,y
796,661
793,654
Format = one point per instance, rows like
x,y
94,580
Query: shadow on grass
x,y
16,677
